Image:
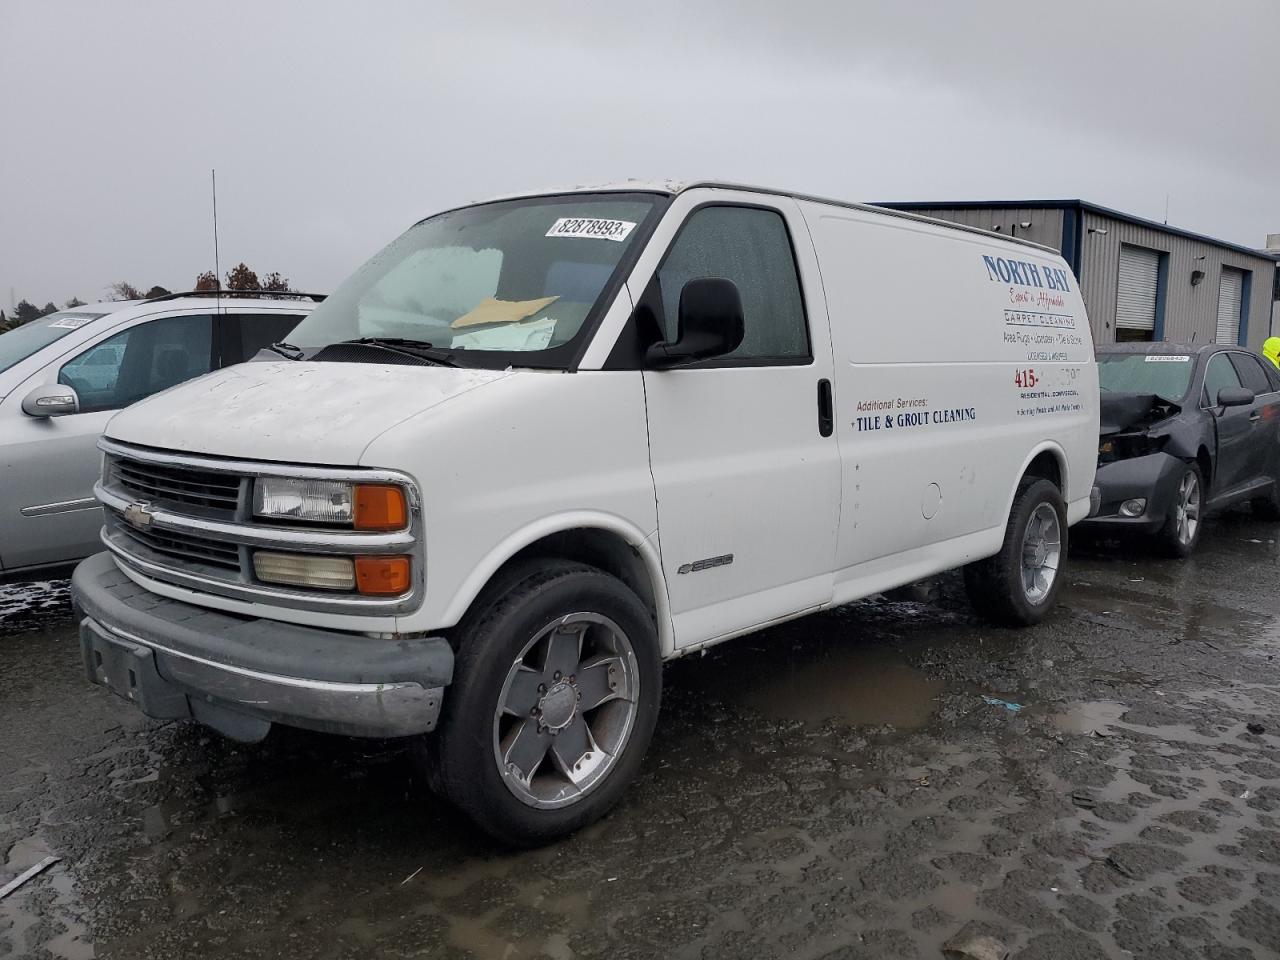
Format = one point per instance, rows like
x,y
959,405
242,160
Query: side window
x,y
1251,373
1273,375
1219,375
140,361
247,333
751,247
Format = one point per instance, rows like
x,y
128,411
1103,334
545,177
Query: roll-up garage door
x,y
1229,306
1136,295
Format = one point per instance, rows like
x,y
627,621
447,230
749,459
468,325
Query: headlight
x,y
363,506
318,501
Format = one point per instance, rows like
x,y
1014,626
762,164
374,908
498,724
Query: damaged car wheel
x,y
1181,530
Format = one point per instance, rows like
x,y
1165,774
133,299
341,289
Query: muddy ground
x,y
850,785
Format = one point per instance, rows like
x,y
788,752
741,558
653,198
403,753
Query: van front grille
x,y
172,545
216,493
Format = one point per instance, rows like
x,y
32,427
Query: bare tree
x,y
274,283
124,291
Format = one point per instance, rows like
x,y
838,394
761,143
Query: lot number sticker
x,y
69,323
1164,358
591,228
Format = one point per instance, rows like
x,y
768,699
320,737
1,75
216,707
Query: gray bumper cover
x,y
1154,478
241,674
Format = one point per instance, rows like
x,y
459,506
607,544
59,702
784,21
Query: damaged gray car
x,y
1185,430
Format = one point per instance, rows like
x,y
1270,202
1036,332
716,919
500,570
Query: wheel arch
x,y
601,540
1048,461
1205,462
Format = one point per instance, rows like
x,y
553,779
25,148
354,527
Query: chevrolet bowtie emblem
x,y
139,515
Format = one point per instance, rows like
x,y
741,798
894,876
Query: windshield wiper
x,y
419,349
286,350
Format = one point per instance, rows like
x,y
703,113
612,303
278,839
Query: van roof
x,y
673,187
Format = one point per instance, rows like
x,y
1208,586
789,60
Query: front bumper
x,y
239,675
1154,478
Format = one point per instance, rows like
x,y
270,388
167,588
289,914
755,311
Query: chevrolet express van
x,y
537,446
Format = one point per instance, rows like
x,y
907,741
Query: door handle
x,y
1255,417
826,413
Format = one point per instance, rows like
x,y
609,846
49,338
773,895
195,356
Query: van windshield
x,y
512,282
1166,375
22,342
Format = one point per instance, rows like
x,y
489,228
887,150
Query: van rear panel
x,y
958,358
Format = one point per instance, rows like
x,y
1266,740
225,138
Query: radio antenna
x,y
217,267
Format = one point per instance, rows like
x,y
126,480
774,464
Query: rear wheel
x,y
558,681
1181,530
1018,586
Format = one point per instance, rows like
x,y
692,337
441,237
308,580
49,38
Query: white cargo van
x,y
539,445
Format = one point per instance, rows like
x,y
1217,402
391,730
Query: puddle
x,y
853,682
1086,717
28,910
858,689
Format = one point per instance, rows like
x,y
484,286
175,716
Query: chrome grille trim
x,y
263,535
174,485
175,545
193,544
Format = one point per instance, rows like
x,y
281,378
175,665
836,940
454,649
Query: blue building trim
x,y
1246,300
1162,295
1072,223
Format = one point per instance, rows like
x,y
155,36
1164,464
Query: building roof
x,y
1083,205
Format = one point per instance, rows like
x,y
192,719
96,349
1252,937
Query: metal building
x,y
1140,280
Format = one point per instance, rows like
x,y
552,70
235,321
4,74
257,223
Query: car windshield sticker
x,y
591,228
69,323
1166,358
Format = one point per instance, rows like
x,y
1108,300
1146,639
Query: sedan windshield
x,y
1166,375
513,277
21,342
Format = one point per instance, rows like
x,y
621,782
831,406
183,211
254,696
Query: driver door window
x,y
140,361
1219,375
751,247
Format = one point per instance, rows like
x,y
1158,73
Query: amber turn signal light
x,y
380,506
382,576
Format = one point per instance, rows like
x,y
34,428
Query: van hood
x,y
291,411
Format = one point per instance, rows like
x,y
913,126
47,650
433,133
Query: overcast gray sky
x,y
334,125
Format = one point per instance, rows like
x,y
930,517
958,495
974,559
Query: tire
x,y
1181,531
996,586
507,652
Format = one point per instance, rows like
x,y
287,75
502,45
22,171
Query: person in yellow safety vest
x,y
1271,349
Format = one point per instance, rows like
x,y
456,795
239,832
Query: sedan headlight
x,y
362,506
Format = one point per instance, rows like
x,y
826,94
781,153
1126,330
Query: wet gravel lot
x,y
859,784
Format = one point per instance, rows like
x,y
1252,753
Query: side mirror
x,y
51,400
1235,397
710,324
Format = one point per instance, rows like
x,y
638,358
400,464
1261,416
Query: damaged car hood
x,y
291,411
1126,411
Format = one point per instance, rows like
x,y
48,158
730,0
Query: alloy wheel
x,y
566,710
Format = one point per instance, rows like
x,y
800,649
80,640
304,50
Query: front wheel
x,y
556,693
1181,530
1018,586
